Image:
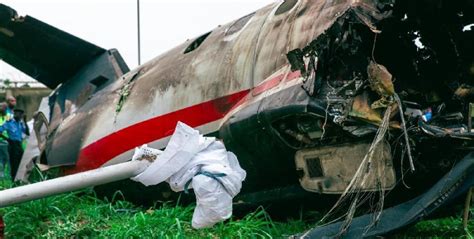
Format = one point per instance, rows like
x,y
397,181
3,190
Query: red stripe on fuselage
x,y
105,149
275,81
269,84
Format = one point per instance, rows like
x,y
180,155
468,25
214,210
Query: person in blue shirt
x,y
4,158
11,104
15,129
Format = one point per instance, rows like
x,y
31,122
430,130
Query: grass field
x,y
84,216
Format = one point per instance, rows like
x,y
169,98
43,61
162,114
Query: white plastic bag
x,y
202,163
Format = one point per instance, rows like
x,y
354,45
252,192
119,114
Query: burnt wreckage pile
x,y
383,119
396,94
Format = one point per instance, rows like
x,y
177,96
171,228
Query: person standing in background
x,y
15,129
11,104
4,157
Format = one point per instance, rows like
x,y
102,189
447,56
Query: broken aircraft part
x,y
455,183
295,76
330,169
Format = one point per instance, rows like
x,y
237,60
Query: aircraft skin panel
x,y
171,82
293,29
226,63
105,149
205,116
208,129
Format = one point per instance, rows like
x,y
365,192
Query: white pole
x,y
138,34
72,182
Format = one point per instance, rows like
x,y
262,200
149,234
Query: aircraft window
x,y
99,82
196,43
239,24
286,6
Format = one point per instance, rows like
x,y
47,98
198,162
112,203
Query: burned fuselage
x,y
412,59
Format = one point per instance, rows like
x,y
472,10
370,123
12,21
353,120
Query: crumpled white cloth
x,y
202,163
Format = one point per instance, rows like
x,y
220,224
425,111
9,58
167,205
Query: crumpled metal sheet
x,y
380,80
362,109
453,184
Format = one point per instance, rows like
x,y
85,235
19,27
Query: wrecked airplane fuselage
x,y
365,99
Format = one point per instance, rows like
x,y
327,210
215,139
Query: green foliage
x,y
451,227
82,215
6,83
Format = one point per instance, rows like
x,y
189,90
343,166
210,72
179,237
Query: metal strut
x,y
73,182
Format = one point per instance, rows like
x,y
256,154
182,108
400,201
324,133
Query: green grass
x,y
450,227
83,215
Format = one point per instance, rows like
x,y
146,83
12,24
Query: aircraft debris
x,y
404,214
380,81
378,106
372,83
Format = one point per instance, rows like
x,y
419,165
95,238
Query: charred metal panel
x,y
45,53
274,158
57,58
304,22
455,183
222,65
70,97
331,169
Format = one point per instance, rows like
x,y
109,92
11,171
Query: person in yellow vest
x,y
4,156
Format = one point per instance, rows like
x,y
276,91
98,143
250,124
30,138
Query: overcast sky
x,y
113,23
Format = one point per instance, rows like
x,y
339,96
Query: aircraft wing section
x,y
43,52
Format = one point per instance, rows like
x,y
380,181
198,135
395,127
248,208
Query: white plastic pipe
x,y
72,182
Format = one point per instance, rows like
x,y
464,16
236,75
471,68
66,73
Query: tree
x,y
6,83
